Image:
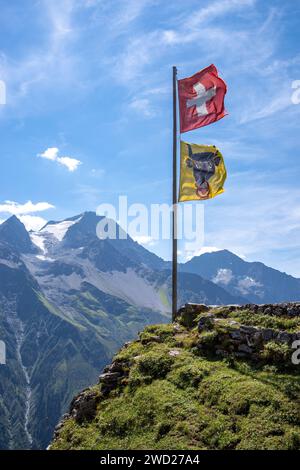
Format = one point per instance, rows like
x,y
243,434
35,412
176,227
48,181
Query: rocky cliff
x,y
217,378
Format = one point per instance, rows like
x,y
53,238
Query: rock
x,y
84,406
114,367
206,322
267,334
248,330
257,338
151,339
240,354
61,424
109,381
188,314
236,335
293,310
174,353
283,337
243,348
112,375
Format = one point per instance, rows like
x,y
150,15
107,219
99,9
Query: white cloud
x,y
52,154
144,240
49,64
24,212
71,163
32,222
276,104
223,276
15,208
247,284
215,10
142,106
187,254
142,50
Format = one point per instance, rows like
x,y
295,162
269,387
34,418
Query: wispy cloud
x,y
48,65
142,106
16,208
52,153
216,9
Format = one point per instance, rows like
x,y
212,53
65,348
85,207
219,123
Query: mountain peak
x,y
222,252
14,233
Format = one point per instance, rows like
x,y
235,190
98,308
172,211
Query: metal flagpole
x,y
174,213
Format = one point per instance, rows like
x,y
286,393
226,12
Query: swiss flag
x,y
201,99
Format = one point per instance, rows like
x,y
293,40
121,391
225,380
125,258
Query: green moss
x,y
246,317
158,333
189,375
208,340
155,364
276,353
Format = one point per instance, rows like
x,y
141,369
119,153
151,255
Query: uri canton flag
x,y
202,172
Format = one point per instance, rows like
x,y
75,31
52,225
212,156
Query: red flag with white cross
x,y
201,99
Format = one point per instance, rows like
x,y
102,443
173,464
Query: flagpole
x,y
174,212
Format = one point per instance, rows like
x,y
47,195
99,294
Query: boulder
x,y
206,322
188,314
84,406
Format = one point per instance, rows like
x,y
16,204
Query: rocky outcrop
x,y
83,407
230,337
112,376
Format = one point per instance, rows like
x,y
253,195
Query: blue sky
x,y
92,79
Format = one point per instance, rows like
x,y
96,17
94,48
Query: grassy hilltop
x,y
218,378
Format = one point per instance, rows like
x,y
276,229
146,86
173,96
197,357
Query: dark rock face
x,y
112,376
83,407
206,323
13,232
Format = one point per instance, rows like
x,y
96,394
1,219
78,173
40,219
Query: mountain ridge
x,y
253,280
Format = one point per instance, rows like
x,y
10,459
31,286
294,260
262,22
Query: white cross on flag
x,y
201,99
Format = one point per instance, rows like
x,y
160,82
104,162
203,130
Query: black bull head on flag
x,y
202,172
204,167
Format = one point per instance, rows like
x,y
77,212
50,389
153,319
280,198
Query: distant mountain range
x,y
68,301
254,282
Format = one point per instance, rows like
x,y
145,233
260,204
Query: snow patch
x,y
59,230
38,240
45,258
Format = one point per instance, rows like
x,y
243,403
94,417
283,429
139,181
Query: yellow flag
x,y
202,172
